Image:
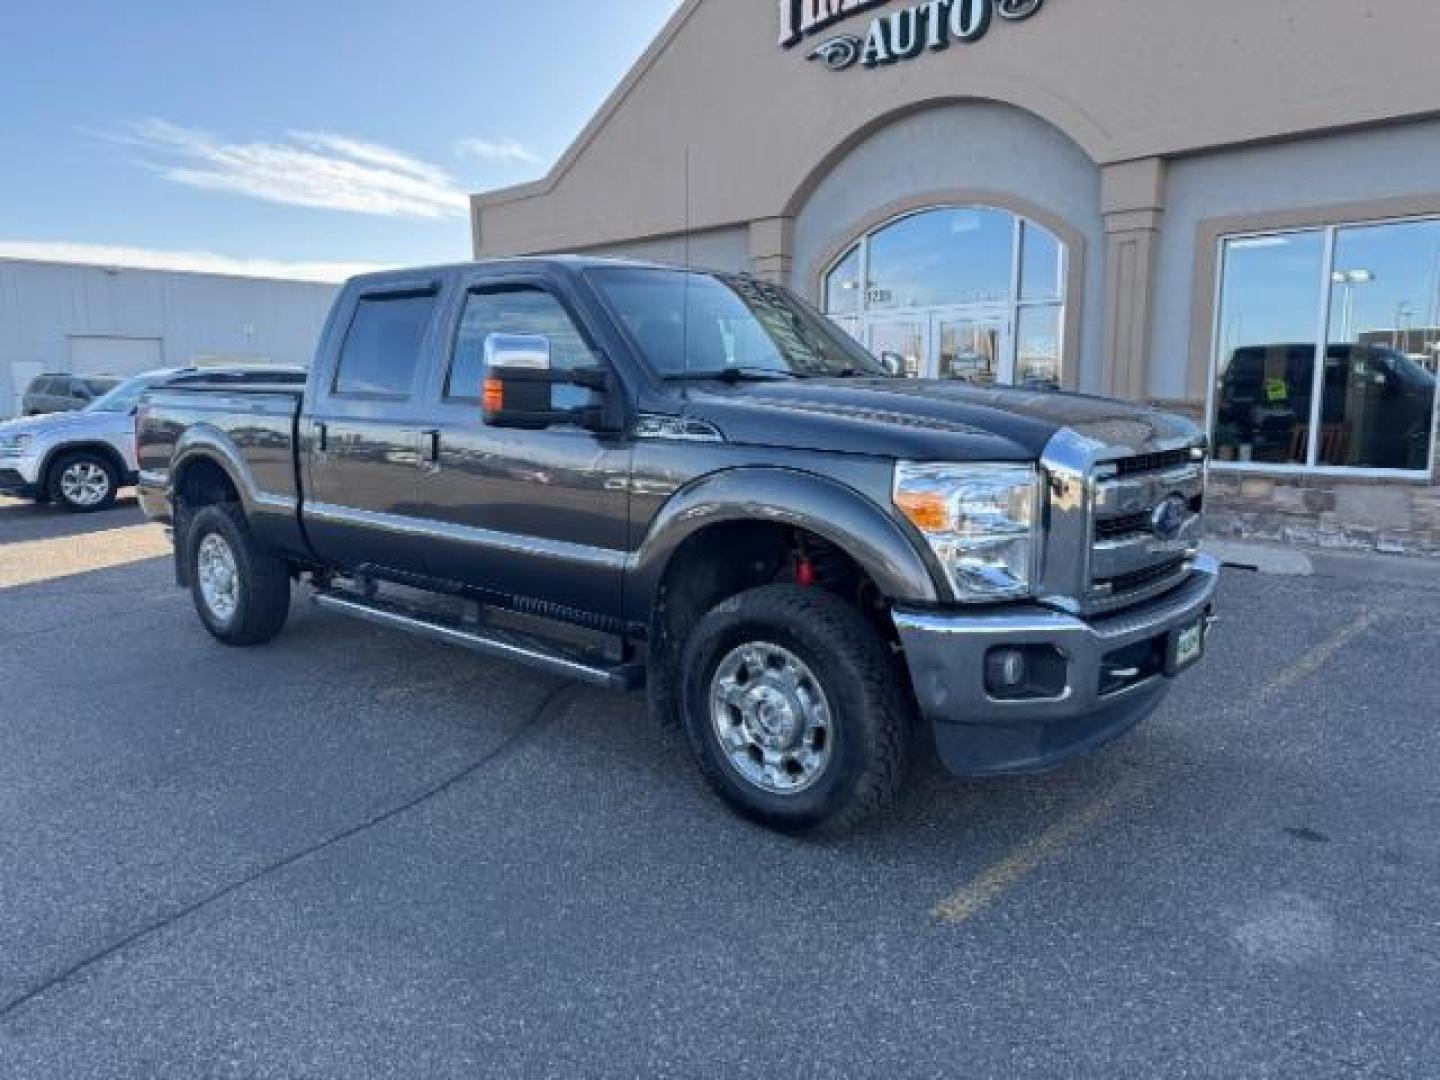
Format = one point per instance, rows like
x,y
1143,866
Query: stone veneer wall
x,y
1395,517
1323,511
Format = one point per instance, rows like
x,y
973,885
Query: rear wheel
x,y
82,482
241,591
794,710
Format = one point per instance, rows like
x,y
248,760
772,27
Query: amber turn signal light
x,y
928,511
494,395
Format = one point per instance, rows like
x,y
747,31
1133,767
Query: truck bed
x,y
249,421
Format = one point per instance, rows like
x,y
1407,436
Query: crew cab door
x,y
536,517
364,431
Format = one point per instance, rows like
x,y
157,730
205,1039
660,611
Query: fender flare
x,y
901,569
204,442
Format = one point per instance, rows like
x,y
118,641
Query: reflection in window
x,y
1375,369
1378,404
1269,310
1037,347
943,257
1042,264
979,295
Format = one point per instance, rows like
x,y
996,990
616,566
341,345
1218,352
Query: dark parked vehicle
x,y
642,476
64,393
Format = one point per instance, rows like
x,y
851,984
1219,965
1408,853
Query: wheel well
x,y
202,483
725,559
104,450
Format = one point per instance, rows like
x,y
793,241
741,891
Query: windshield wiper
x,y
736,374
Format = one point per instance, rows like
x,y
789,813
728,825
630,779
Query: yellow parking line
x,y
32,561
1023,861
1320,655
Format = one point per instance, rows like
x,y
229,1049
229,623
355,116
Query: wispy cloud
x,y
501,151
305,168
194,261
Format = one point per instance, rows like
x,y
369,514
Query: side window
x,y
382,346
517,310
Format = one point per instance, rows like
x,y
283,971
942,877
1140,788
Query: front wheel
x,y
241,591
795,711
83,482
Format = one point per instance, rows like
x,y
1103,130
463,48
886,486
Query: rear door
x,y
364,429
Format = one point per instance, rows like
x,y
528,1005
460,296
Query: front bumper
x,y
978,734
19,475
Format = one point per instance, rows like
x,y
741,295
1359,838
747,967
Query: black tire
x,y
261,584
63,485
870,718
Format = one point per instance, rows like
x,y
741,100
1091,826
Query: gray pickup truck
x,y
647,477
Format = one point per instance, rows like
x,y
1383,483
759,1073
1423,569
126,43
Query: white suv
x,y
78,460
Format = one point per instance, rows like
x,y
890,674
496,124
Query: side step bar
x,y
500,644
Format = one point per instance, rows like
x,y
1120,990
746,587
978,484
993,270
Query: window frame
x,y
1330,231
433,291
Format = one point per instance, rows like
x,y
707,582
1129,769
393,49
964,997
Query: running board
x,y
488,641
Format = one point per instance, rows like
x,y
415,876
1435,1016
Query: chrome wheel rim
x,y
84,483
219,577
771,717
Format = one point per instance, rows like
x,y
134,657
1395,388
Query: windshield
x,y
123,398
695,325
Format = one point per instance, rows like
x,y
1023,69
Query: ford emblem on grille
x,y
1169,518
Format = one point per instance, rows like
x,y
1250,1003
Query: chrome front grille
x,y
1146,520
1109,543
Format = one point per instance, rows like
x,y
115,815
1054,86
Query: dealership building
x,y
1227,208
84,320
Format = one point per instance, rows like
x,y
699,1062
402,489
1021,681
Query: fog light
x,y
1025,672
1005,669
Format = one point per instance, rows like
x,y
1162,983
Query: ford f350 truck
x,y
649,477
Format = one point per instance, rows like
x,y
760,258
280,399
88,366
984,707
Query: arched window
x,y
961,292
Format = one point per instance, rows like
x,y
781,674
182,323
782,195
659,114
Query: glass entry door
x,y
967,346
905,337
972,348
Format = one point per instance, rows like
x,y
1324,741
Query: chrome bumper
x,y
979,734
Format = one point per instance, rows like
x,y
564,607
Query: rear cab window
x,y
382,349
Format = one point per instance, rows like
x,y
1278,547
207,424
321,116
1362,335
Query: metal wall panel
x,y
197,317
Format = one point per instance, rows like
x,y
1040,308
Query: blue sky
x,y
244,135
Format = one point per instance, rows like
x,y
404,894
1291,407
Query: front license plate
x,y
1187,645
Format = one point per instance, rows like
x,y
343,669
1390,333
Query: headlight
x,y
15,445
980,520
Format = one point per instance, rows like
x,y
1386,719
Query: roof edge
x,y
597,123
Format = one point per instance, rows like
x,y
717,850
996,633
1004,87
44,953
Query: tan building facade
x,y
1229,207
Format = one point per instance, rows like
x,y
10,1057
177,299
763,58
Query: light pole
x,y
1349,279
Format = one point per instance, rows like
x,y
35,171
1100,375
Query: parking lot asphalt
x,y
354,854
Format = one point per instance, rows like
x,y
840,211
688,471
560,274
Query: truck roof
x,y
569,262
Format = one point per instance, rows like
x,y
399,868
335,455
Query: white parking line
x,y
32,561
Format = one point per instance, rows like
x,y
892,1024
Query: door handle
x,y
322,439
429,455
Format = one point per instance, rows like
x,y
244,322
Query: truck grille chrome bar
x,y
1121,526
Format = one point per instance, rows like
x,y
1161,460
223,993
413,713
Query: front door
x,y
539,518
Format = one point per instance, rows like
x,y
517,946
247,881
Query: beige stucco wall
x,y
1124,79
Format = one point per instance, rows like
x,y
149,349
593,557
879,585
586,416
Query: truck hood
x,y
917,419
